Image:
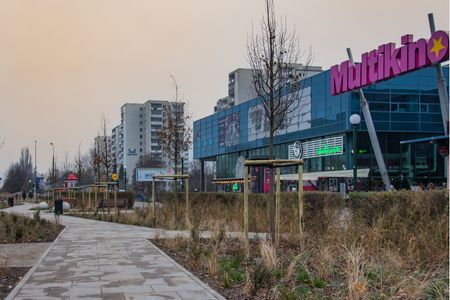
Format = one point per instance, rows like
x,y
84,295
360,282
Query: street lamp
x,y
125,173
355,119
35,169
53,165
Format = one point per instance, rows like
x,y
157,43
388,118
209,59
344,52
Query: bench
x,y
73,202
109,203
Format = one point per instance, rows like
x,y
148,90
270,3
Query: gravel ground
x,y
22,255
9,277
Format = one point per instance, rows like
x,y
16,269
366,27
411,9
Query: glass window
x,y
394,107
432,108
423,108
379,106
405,98
377,97
429,99
408,107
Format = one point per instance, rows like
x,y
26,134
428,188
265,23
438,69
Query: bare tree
x,y
105,153
96,159
274,56
19,174
175,135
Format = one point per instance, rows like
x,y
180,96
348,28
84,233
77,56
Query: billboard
x,y
229,130
146,174
296,120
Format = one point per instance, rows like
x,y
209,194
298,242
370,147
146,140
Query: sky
x,y
66,65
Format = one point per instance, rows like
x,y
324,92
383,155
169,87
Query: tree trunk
x,y
175,190
272,202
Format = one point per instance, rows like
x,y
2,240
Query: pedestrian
x,y
30,195
24,195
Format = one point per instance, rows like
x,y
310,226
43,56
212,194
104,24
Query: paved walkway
x,y
99,260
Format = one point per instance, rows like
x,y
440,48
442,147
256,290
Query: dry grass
x,y
379,246
268,254
20,229
4,267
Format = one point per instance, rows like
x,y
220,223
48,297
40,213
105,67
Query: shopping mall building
x,y
406,113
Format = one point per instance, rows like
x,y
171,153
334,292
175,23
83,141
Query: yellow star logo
x,y
437,46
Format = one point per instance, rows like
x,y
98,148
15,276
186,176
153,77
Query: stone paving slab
x,y
100,260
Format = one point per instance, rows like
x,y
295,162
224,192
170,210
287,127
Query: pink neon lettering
x,y
339,78
387,61
354,76
391,67
417,54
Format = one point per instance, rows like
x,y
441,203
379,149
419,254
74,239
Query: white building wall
x,y
133,122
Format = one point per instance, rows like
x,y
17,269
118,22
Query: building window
x,y
140,150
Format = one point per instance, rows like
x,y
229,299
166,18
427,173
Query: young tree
x,y
106,159
273,55
175,135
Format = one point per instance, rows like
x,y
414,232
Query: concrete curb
x,y
27,276
192,276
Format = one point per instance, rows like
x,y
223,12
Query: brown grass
x,y
19,229
391,245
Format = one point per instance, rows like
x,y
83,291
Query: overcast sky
x,y
66,64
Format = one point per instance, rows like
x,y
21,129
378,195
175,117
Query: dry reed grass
x,y
391,245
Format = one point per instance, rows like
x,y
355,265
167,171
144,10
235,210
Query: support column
x,y
441,85
372,133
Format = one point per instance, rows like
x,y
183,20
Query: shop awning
x,y
327,174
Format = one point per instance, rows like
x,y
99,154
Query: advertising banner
x,y
146,174
229,130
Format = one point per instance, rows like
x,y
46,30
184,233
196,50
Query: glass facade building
x,y
403,108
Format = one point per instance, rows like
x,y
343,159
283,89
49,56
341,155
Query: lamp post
x,y
35,169
53,165
355,119
125,173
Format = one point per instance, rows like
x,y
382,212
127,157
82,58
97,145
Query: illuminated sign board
x,y
327,150
318,148
388,61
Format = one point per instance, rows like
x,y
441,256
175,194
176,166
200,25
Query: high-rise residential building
x,y
240,84
137,135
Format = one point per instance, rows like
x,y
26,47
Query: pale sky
x,y
64,64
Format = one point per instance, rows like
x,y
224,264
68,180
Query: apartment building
x,y
240,84
137,136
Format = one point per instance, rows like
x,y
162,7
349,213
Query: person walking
x,y
24,195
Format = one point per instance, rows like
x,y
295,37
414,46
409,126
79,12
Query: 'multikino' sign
x,y
388,61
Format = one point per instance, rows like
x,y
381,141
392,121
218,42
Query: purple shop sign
x,y
388,61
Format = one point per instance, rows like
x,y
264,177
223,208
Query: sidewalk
x,y
99,260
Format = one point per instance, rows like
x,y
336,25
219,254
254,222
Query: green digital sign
x,y
362,151
235,186
327,150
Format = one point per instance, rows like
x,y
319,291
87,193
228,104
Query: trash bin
x,y
11,201
58,207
